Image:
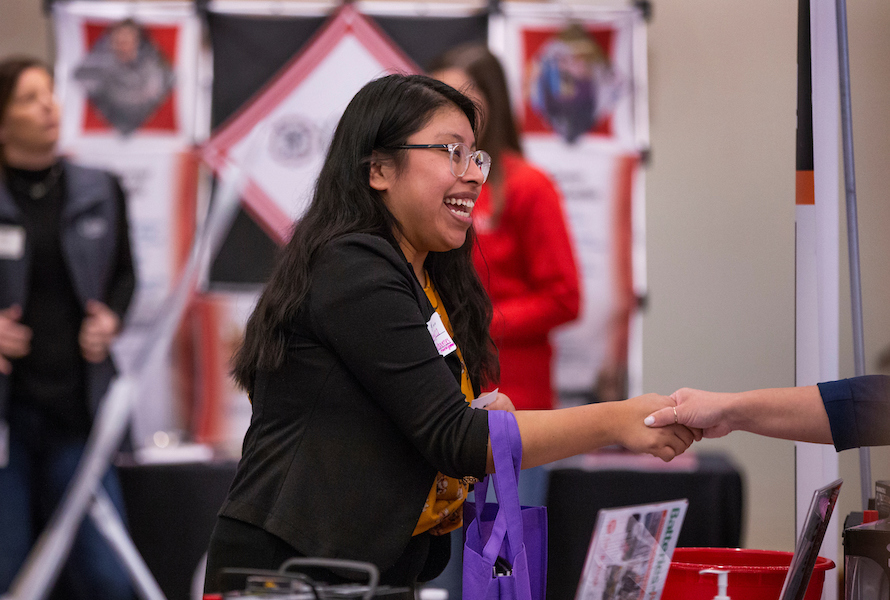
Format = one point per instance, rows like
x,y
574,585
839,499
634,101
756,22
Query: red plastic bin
x,y
753,574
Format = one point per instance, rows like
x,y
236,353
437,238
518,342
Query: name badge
x,y
444,344
12,242
92,228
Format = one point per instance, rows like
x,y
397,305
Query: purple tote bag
x,y
505,545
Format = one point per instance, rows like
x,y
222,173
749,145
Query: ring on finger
x,y
676,418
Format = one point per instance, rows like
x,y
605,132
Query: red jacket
x,y
527,265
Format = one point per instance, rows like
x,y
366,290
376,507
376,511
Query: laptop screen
x,y
809,542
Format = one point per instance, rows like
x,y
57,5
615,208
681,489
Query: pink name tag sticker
x,y
444,344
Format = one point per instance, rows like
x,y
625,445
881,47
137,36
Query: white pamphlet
x,y
631,551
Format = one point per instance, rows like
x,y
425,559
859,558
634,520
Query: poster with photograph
x,y
578,77
128,73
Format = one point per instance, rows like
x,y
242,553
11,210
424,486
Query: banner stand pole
x,y
852,225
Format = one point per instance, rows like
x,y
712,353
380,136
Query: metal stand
x,y
852,225
109,524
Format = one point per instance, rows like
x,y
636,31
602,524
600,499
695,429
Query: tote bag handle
x,y
506,449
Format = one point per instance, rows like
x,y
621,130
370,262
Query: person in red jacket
x,y
524,253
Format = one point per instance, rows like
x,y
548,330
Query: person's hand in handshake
x,y
669,441
795,413
705,411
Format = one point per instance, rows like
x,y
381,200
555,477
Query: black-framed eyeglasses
x,y
461,155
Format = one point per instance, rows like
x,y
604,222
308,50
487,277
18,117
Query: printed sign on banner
x,y
126,76
577,85
279,140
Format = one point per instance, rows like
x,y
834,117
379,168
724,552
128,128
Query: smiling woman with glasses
x,y
365,349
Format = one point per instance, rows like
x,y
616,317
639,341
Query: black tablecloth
x,y
171,511
714,517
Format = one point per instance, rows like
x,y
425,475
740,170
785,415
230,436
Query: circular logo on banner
x,y
292,140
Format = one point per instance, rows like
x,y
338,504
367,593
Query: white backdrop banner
x,y
578,80
127,79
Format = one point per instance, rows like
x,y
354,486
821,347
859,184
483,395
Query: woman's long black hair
x,y
383,114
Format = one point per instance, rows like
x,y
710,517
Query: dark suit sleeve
x,y
858,411
364,306
122,282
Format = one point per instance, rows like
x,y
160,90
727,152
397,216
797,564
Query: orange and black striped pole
x,y
804,188
805,177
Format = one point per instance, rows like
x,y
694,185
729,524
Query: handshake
x,y
705,413
665,426
690,415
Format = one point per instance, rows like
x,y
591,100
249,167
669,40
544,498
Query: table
x,y
172,509
714,518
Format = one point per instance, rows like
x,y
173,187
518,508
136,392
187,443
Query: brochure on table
x,y
631,551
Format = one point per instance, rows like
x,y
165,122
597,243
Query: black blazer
x,y
347,436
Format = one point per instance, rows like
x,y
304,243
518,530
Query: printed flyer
x,y
631,551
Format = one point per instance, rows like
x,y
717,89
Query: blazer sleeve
x,y
858,411
364,305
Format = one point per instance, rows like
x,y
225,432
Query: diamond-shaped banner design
x,y
277,143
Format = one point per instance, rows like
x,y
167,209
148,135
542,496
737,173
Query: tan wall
x,y
720,214
24,29
720,221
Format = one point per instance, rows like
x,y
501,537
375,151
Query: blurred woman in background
x,y
523,255
66,280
